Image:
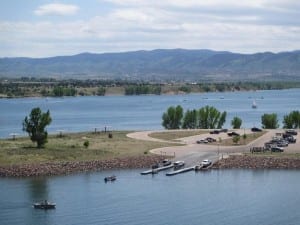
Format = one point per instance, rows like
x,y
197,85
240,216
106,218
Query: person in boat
x,y
46,202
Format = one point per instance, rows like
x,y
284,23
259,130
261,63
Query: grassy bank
x,y
70,147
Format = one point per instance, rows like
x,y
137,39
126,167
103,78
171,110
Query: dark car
x,y
214,132
292,132
209,139
277,149
290,139
233,133
256,129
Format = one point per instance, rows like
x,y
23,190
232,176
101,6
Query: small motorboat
x,y
44,205
110,178
166,162
178,164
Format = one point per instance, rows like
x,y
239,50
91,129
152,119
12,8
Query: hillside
x,y
174,64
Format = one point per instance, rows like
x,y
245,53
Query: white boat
x,y
178,164
254,105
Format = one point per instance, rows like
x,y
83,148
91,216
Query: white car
x,y
202,141
206,162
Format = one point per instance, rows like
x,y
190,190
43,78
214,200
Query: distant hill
x,y
160,64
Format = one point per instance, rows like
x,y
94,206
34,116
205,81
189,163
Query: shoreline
x,y
167,92
65,168
141,162
257,162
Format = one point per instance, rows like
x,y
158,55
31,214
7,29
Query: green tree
x,y
86,144
190,119
211,118
172,117
222,120
35,125
292,120
269,121
236,122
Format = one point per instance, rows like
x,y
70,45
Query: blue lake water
x,y
231,197
73,114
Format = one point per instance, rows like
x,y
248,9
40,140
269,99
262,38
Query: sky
x,y
45,28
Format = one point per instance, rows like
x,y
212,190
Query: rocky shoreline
x,y
257,162
63,168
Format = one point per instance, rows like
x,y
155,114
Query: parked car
x,y
233,133
277,149
206,162
256,129
202,141
214,132
290,139
282,144
209,139
292,132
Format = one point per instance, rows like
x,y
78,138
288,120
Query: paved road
x,y
193,153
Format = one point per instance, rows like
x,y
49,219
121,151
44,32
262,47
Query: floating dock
x,y
175,172
151,171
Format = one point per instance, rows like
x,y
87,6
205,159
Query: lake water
x,y
231,197
73,114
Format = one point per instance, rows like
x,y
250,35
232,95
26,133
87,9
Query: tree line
x,y
20,87
209,117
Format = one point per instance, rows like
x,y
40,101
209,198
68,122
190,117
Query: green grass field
x,y
70,147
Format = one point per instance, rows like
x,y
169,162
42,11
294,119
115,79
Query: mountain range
x,y
159,64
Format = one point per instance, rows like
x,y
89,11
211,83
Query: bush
x,y
86,144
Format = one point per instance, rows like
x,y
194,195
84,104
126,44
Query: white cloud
x,y
244,26
56,9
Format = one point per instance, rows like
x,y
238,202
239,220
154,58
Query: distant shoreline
x,y
73,88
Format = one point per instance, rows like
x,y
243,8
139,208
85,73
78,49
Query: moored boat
x,y
178,164
166,162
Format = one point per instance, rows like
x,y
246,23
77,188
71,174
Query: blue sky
x,y
42,28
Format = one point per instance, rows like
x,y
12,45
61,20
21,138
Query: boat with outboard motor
x,y
44,205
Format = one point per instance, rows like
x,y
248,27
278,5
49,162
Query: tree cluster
x,y
206,117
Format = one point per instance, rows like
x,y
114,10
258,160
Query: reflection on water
x,y
38,189
224,196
